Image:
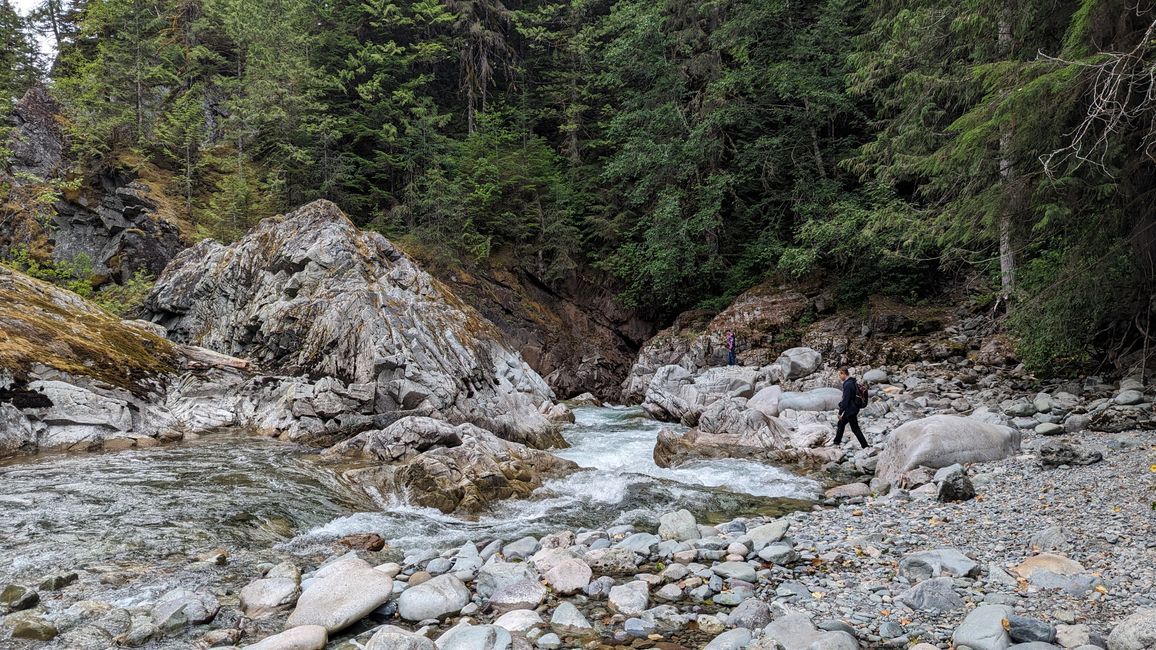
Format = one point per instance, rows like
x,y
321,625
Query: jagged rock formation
x,y
452,468
308,294
576,335
113,221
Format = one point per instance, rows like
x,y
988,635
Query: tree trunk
x,y
1007,260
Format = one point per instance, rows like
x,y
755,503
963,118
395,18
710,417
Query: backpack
x,y
860,394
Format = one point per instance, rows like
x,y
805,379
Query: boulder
x,y
799,362
273,593
390,637
568,620
460,468
523,594
340,594
923,565
797,632
475,637
519,620
936,595
180,608
569,576
630,599
304,637
818,399
680,526
310,293
1137,632
440,596
943,440
983,629
766,401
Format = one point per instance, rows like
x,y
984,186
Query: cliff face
x,y
309,294
576,334
111,219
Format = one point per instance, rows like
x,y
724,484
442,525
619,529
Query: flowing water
x,y
135,522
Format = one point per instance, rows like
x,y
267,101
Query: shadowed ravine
x,y
141,518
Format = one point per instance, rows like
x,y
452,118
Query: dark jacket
x,y
848,406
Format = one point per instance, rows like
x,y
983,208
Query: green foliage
x,y
76,275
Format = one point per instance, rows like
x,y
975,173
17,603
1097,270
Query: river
x,y
134,523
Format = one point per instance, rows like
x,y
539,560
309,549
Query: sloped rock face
x,y
113,221
308,294
72,376
452,468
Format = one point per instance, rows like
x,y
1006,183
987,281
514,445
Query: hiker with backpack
x,y
854,398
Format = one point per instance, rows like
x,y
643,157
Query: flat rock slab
x,y
305,637
340,595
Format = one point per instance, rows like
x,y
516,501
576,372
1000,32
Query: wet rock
x,y
340,594
389,637
1137,632
57,582
983,629
521,549
475,637
17,598
28,626
440,596
459,468
549,641
180,608
304,637
942,440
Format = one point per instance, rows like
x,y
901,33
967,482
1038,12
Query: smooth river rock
x,y
305,637
475,637
390,637
435,598
341,594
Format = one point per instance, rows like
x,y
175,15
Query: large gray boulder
x,y
727,429
799,362
341,594
818,399
943,440
310,293
676,394
983,629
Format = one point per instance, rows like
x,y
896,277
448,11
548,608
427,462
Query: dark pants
x,y
853,420
731,357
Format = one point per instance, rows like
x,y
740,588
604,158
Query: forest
x,y
686,149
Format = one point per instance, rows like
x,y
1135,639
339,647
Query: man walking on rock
x,y
731,348
849,409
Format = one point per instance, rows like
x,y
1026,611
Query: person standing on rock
x,y
731,347
849,409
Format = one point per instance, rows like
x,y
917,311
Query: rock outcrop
x,y
452,468
308,294
114,221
